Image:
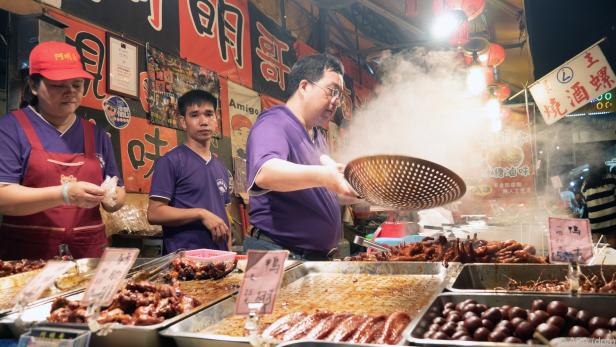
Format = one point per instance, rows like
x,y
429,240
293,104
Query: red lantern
x,y
460,36
499,90
496,55
472,8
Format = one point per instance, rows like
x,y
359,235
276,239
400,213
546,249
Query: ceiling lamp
x,y
447,23
471,8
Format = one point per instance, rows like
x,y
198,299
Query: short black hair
x,y
312,68
195,97
27,97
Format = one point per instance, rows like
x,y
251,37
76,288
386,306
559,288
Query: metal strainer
x,y
403,182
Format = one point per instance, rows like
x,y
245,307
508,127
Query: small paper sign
x,y
556,182
33,289
569,240
581,342
261,281
111,270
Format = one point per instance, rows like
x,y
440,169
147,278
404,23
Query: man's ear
x,y
302,86
182,121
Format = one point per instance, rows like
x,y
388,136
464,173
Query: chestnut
x,y
601,333
578,331
434,327
466,338
539,304
516,321
453,317
548,331
449,328
450,305
517,312
597,322
584,316
538,317
428,334
438,320
439,335
469,314
524,330
493,314
496,336
482,308
512,339
503,330
612,323
571,317
448,311
472,323
557,308
506,324
557,321
486,323
458,334
470,308
481,334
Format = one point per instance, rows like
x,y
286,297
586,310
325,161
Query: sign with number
x,y
33,289
574,84
261,280
569,240
111,270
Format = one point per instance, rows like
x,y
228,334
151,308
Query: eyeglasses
x,y
331,92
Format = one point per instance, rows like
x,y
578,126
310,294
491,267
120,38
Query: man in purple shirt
x,y
293,184
190,187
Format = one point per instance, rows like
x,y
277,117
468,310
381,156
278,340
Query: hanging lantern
x,y
496,55
499,90
460,36
472,8
475,48
489,76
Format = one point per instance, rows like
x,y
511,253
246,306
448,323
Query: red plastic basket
x,y
209,255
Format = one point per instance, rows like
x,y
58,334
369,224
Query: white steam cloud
x,y
422,109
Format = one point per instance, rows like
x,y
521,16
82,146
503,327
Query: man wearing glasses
x,y
293,186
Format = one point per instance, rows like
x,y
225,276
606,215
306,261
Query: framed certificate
x,y
122,70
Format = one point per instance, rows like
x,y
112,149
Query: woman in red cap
x,y
52,164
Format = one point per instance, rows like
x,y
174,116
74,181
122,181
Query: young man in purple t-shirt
x,y
190,187
294,188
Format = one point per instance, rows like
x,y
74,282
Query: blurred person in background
x,y
598,190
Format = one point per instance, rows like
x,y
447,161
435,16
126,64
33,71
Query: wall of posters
x,y
215,35
141,144
170,77
273,55
244,107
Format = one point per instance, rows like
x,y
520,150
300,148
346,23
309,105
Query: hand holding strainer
x,y
403,182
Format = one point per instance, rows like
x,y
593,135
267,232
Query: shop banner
x,y
508,163
142,144
170,77
244,107
153,21
272,54
574,84
348,96
268,102
215,35
302,49
98,118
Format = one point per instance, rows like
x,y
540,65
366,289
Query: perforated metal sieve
x,y
403,182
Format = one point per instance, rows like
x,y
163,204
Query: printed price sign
x,y
33,289
113,267
261,280
569,240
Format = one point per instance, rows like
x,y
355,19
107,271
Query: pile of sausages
x,y
184,269
468,251
8,268
339,327
140,303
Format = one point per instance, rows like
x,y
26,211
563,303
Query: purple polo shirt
x,y
185,179
15,147
307,219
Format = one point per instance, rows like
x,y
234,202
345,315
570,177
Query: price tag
x,y
581,342
33,289
261,281
111,270
569,240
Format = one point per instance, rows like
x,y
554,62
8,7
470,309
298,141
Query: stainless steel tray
x,y
122,335
187,332
316,343
597,305
486,277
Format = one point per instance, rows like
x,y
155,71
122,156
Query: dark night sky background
x,y
560,29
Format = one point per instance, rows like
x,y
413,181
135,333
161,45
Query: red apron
x,y
39,235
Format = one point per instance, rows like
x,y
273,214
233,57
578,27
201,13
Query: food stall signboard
x,y
111,270
569,240
261,281
573,84
33,289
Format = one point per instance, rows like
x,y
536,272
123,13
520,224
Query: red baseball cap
x,y
57,61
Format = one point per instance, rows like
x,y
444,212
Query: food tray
x,y
131,335
190,332
486,277
598,305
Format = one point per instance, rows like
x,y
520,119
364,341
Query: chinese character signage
x,y
261,281
273,55
573,84
170,77
141,145
111,270
153,21
244,107
569,240
215,35
507,159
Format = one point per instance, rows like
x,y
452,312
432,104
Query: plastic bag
x,y
109,185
